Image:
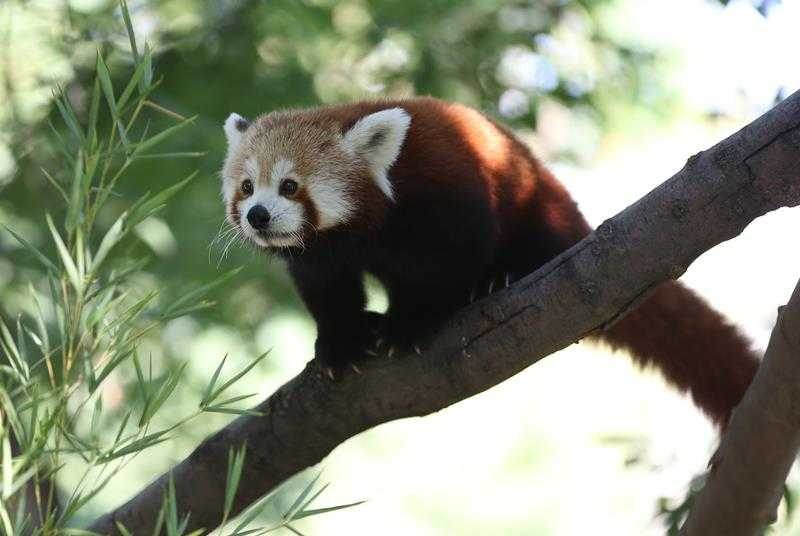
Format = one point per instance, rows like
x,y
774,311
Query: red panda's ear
x,y
235,126
377,138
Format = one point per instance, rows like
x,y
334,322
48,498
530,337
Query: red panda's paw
x,y
338,356
346,349
401,338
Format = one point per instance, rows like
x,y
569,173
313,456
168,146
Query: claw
x,y
417,350
329,372
390,353
371,352
491,286
506,280
355,368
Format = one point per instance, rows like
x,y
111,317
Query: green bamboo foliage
x,y
89,321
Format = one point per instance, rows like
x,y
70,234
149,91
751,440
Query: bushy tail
x,y
694,347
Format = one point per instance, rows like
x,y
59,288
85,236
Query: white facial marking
x,y
281,169
331,199
252,169
378,138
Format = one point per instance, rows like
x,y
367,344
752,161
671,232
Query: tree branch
x,y
712,199
748,470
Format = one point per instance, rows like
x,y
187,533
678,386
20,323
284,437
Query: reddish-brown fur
x,y
473,209
692,345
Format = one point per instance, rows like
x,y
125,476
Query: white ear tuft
x,y
235,126
378,138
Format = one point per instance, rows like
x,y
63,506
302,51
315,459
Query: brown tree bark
x,y
748,470
712,199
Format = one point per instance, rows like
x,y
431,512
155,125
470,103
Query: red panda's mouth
x,y
267,235
273,240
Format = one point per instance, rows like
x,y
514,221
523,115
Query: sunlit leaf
x,y
235,464
318,511
66,259
298,502
110,239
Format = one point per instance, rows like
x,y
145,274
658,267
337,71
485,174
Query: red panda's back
x,y
451,147
453,156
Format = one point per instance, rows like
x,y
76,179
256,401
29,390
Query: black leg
x,y
335,298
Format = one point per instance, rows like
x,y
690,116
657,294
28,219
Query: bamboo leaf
x,y
235,464
161,396
126,16
75,201
105,83
233,411
94,109
161,136
113,364
300,498
41,326
236,376
68,114
136,446
10,349
318,511
110,239
108,90
235,399
183,154
212,383
147,78
32,249
8,467
132,84
199,306
253,512
54,183
147,205
69,264
22,348
292,529
122,530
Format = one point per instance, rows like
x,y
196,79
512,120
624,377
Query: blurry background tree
x,y
577,79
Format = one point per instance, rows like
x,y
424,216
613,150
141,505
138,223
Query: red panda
x,y
439,203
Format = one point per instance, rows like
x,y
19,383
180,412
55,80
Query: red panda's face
x,y
285,182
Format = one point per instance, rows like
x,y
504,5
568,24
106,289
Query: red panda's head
x,y
289,176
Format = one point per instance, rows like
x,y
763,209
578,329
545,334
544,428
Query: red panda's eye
x,y
288,187
247,187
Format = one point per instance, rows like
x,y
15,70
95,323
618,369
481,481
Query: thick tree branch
x,y
745,485
710,200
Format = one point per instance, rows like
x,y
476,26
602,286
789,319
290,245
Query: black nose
x,y
258,217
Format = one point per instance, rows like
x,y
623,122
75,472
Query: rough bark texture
x,y
712,199
745,485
